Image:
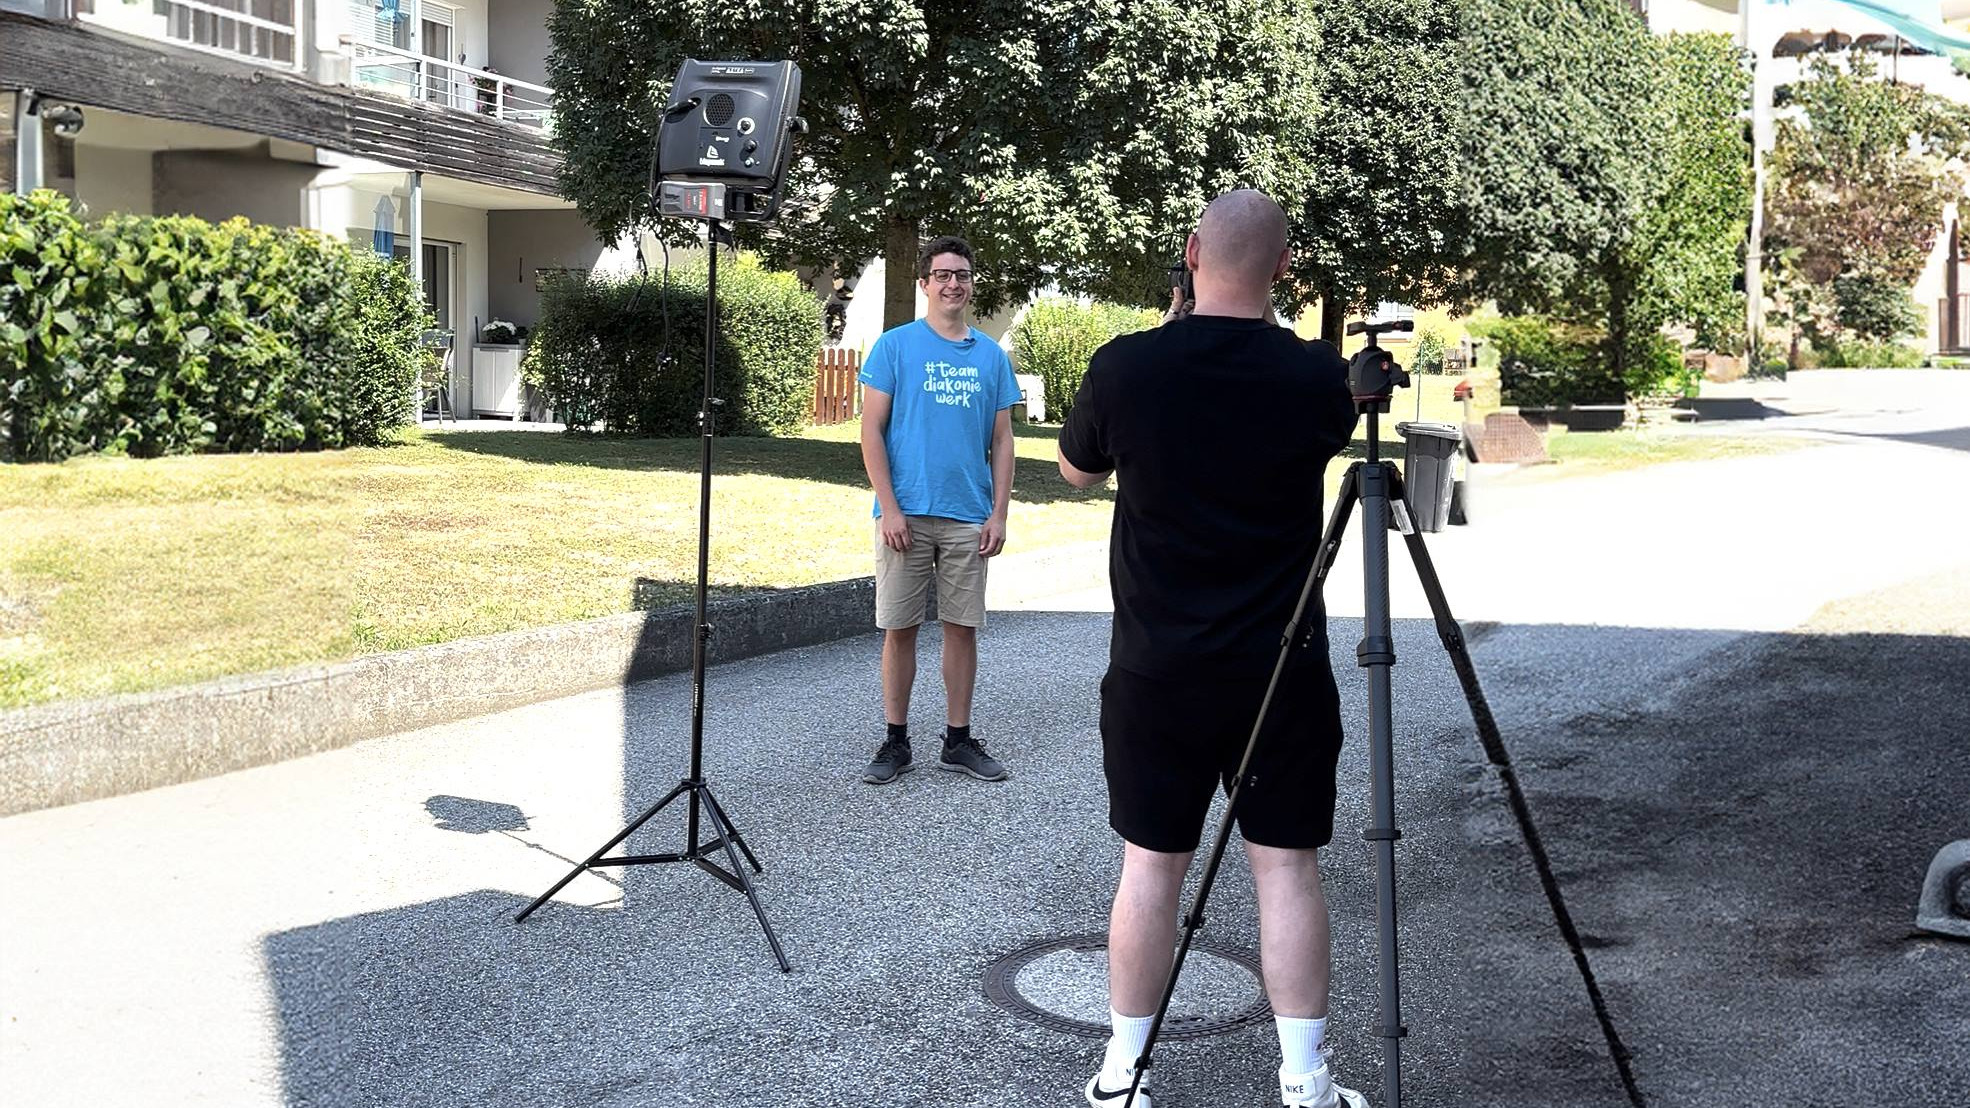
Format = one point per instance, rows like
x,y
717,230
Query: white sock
x,y
1124,1047
1299,1044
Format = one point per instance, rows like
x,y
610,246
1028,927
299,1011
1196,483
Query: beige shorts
x,y
946,549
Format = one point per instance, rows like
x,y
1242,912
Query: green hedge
x,y
609,353
1861,354
1055,338
1545,362
150,336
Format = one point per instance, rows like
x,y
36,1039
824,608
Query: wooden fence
x,y
835,390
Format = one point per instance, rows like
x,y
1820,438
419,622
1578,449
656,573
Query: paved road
x,y
1733,691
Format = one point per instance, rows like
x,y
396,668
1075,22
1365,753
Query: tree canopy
x,y
1607,175
1068,141
1381,216
1552,155
1860,175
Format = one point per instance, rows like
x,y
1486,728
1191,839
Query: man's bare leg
x,y
1142,939
1294,947
1293,941
899,673
960,672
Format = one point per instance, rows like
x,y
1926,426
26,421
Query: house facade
x,y
416,128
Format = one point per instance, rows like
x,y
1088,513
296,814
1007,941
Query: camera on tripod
x,y
1373,374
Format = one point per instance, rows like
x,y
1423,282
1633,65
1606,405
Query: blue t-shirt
x,y
944,398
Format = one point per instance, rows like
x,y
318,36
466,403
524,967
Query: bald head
x,y
1239,248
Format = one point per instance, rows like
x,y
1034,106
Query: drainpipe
x,y
416,44
1952,337
414,223
28,170
1754,254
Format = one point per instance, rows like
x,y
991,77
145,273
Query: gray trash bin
x,y
1428,452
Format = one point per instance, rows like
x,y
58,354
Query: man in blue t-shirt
x,y
937,441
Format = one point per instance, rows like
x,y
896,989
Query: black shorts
x,y
1166,744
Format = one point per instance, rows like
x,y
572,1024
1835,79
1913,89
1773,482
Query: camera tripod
x,y
1375,484
725,839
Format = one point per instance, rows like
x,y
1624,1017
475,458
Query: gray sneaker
x,y
967,756
892,760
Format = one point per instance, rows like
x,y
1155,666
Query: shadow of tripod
x,y
725,842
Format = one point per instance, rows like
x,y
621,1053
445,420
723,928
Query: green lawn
x,y
120,575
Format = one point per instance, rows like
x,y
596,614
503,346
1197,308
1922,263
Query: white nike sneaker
x,y
1316,1090
1118,1096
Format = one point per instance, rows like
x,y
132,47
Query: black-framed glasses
x,y
946,276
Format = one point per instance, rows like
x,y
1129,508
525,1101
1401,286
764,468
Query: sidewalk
x,y
1738,779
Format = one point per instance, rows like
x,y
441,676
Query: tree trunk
x,y
1333,317
899,272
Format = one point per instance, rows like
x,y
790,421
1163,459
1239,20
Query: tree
x,y
1381,217
1562,132
1687,257
1607,177
1860,175
1068,142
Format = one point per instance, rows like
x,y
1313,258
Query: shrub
x,y
152,336
620,354
1873,307
1833,354
1055,338
58,396
1546,362
1428,357
1543,362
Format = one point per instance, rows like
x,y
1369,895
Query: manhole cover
x,y
1063,984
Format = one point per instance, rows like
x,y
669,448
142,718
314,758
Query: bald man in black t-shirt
x,y
1220,425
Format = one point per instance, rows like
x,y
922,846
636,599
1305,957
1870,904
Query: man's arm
x,y
875,459
1079,478
992,537
1081,434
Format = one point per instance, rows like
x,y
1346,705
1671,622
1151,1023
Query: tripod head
x,y
1373,374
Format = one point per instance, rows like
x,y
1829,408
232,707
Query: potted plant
x,y
499,332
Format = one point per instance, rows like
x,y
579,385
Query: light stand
x,y
725,840
1376,484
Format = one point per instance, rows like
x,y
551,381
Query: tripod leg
x,y
1376,654
625,833
716,816
1337,525
1460,656
731,829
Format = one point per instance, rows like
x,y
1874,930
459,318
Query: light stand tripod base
x,y
725,837
726,840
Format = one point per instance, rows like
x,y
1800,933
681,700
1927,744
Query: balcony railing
x,y
436,81
266,32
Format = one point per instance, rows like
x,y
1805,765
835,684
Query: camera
x,y
1180,278
1373,373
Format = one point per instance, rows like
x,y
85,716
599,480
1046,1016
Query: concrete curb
x,y
87,750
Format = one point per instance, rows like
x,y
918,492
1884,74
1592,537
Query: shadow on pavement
x,y
1739,823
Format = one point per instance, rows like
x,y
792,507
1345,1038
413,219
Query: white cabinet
x,y
496,380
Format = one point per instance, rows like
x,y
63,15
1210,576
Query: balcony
x,y
433,80
263,32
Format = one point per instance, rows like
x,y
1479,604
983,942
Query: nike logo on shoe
x,y
1117,1097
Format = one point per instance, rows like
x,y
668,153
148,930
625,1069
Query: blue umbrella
x,y
383,239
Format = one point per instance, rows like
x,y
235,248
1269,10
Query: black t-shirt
x,y
1219,430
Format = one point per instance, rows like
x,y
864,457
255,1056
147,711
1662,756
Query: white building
x,y
1787,34
416,127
